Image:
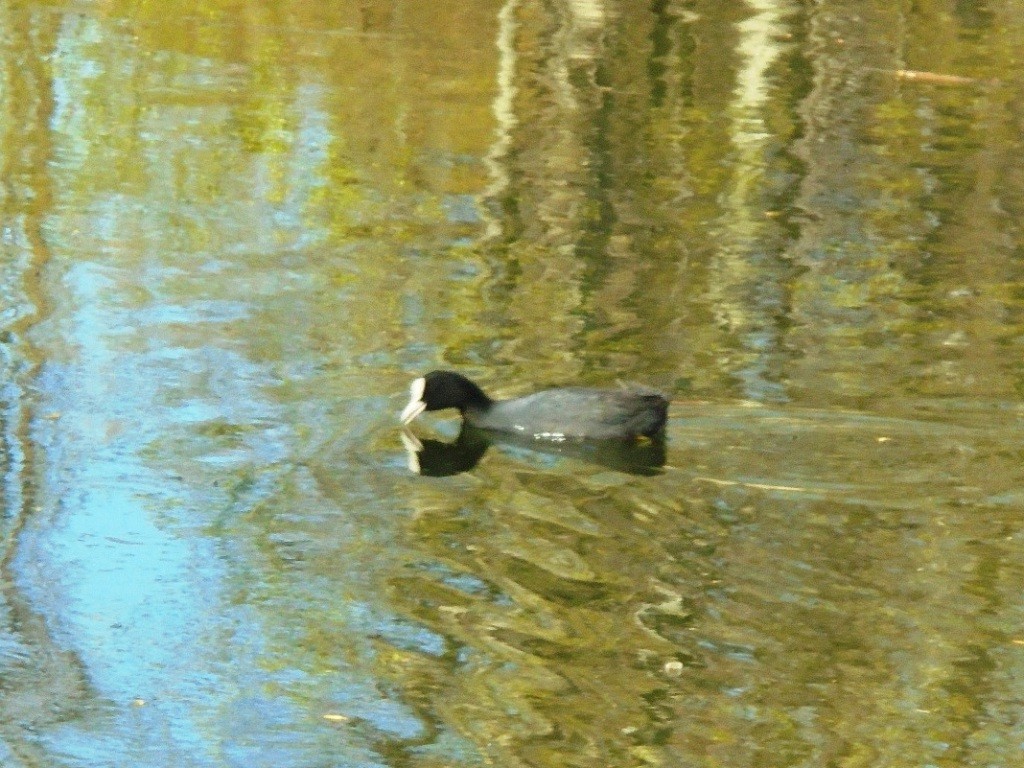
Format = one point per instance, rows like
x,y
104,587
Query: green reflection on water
x,y
234,232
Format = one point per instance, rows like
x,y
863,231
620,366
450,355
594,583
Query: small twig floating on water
x,y
935,78
758,486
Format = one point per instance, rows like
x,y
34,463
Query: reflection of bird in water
x,y
436,458
553,414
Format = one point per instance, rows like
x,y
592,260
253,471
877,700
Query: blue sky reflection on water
x,y
138,593
143,597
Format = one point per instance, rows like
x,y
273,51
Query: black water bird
x,y
552,414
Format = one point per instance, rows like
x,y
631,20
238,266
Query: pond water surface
x,y
233,232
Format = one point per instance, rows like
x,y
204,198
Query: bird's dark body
x,y
576,412
554,414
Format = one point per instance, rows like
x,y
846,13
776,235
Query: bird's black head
x,y
443,389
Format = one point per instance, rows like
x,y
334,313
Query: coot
x,y
553,414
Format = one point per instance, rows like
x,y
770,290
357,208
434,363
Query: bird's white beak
x,y
416,405
412,410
